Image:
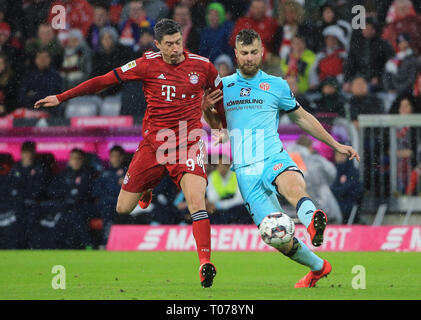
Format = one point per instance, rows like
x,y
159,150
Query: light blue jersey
x,y
252,107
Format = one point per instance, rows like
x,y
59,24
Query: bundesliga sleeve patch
x,y
128,66
217,80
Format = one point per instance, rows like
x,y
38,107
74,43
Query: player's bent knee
x,y
294,190
123,209
126,202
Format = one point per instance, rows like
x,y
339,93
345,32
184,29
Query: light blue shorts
x,y
257,184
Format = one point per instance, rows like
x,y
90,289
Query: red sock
x,y
202,235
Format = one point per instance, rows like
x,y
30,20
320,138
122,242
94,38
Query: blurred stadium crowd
x,y
333,70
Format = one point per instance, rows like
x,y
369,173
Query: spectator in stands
x,y
8,86
361,101
329,17
402,18
164,211
155,9
146,42
367,56
71,191
319,174
401,71
79,15
224,196
13,53
413,187
109,55
27,186
130,29
191,34
40,82
33,14
215,36
235,8
107,187
101,20
181,205
224,65
291,23
77,61
330,61
331,100
46,40
298,63
417,92
406,144
197,10
258,20
347,187
8,224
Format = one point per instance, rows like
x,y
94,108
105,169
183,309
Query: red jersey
x,y
173,92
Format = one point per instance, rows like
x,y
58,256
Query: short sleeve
x,y
214,80
131,71
287,101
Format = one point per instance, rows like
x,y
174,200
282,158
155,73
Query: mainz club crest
x,y
265,86
194,77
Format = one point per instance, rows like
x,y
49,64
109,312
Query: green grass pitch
x,y
174,276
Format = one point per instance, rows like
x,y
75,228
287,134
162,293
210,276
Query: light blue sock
x,y
305,209
302,254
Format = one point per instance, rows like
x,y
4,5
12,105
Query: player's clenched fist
x,y
50,101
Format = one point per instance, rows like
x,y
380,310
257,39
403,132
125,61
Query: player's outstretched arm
x,y
90,86
312,126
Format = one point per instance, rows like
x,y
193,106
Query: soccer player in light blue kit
x,y
252,104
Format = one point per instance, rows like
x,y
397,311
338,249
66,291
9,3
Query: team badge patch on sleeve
x,y
217,80
128,66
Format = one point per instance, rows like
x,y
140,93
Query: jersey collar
x,y
255,78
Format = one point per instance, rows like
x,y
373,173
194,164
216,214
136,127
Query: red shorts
x,y
151,162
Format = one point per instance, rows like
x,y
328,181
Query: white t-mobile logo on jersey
x,y
166,91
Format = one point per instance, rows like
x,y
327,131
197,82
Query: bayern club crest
x,y
194,77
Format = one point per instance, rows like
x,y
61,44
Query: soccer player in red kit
x,y
173,82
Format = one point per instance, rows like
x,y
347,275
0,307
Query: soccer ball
x,y
277,229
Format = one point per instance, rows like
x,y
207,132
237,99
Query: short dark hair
x,y
77,150
247,36
28,146
118,149
166,27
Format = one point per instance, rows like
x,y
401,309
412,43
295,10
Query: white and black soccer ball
x,y
277,229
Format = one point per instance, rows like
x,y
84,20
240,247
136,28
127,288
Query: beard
x,y
250,69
